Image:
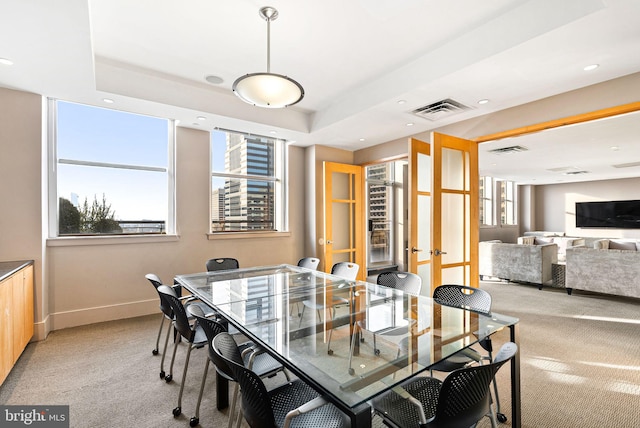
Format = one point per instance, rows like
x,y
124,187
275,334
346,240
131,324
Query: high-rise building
x,y
248,204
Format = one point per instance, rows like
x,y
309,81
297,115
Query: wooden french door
x,y
344,225
443,211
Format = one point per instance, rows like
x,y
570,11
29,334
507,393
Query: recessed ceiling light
x,y
484,101
215,80
591,67
201,118
273,132
361,139
6,61
615,148
108,100
401,101
410,124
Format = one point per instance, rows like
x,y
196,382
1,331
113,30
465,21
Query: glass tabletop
x,y
252,284
331,343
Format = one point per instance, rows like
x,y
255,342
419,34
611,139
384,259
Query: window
x,y
486,202
494,192
111,172
508,213
247,185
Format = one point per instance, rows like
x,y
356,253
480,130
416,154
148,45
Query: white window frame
x,y
53,199
488,200
510,205
281,203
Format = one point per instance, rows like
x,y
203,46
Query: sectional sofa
x,y
612,267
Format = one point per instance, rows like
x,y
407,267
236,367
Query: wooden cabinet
x,y
16,317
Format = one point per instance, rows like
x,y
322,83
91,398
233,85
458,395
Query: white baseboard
x,y
60,320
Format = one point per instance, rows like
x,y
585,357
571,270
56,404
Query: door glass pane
x,y
340,225
452,228
340,185
342,257
424,173
467,185
467,226
452,169
453,275
424,227
424,271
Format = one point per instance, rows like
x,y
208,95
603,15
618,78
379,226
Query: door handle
x,y
437,252
415,250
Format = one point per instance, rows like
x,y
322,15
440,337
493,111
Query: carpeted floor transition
x,y
580,367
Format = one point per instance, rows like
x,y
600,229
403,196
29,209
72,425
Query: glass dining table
x,y
349,352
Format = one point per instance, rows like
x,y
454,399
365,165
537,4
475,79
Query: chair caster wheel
x,y
154,352
330,352
501,418
168,378
352,371
376,352
194,422
177,411
162,374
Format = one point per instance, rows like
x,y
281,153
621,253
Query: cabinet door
x,y
6,327
17,307
28,305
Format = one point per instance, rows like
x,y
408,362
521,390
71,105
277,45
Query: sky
x,y
102,135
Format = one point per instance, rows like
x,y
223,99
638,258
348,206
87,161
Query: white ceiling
x,y
356,59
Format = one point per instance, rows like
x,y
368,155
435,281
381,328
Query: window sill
x,y
246,235
72,241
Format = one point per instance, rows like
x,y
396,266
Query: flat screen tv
x,y
615,214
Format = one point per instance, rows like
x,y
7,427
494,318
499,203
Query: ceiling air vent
x,y
626,165
576,172
507,150
440,109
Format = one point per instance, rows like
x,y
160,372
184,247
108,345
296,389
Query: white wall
x,y
104,280
556,204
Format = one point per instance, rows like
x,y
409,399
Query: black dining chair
x,y
222,263
262,363
293,404
167,314
192,333
476,300
461,400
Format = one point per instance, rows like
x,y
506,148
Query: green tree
x,y
98,217
68,218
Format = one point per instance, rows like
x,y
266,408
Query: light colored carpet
x,y
580,367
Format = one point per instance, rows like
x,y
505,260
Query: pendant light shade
x,y
268,89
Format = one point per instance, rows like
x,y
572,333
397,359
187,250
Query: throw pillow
x,y
622,245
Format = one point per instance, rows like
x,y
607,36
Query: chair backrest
x,y
464,396
165,306
345,270
309,263
154,279
211,327
256,404
222,263
404,281
461,296
180,317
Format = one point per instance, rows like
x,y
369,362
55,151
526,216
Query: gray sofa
x,y
613,267
517,262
